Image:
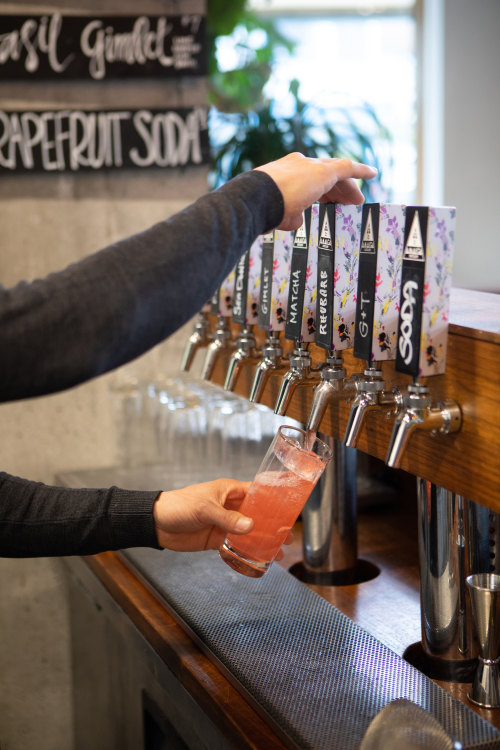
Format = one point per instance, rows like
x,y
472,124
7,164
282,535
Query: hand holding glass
x,y
286,477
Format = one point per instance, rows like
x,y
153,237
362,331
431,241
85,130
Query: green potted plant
x,y
248,129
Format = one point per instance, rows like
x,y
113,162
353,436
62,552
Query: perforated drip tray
x,y
316,676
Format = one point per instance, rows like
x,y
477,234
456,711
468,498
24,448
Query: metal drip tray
x,y
316,676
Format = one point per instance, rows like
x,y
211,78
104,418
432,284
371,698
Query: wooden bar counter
x,y
388,605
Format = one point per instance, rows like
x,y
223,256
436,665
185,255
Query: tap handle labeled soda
x,y
423,324
425,290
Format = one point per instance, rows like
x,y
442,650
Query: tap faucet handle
x,y
367,272
371,395
419,413
378,281
199,337
423,328
245,354
220,342
325,276
272,361
239,306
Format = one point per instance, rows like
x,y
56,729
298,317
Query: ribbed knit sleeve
x,y
116,304
38,520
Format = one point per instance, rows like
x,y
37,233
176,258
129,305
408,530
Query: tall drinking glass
x,y
286,477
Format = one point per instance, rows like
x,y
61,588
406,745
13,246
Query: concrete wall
x,y
471,140
47,222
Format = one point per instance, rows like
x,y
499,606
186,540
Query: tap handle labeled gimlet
x,y
266,281
253,285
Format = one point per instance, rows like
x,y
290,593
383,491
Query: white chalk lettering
x,y
264,299
405,343
363,325
102,45
72,140
295,288
168,139
32,38
323,302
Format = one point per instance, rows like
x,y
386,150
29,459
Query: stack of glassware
x,y
191,427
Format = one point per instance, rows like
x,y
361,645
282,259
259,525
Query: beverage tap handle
x,y
220,342
442,418
245,354
272,362
199,337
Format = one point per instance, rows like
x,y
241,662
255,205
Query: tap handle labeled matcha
x,y
297,284
308,332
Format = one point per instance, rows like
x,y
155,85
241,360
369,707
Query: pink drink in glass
x,y
279,491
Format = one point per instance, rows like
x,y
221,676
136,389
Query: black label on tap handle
x,y
297,287
412,290
266,281
326,262
365,301
241,290
215,303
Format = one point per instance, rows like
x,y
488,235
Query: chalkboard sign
x,y
53,46
77,140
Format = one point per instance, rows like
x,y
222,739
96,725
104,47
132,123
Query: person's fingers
x,y
343,169
228,520
345,191
292,221
303,180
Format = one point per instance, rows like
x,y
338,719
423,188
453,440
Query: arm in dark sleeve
x,y
113,306
37,520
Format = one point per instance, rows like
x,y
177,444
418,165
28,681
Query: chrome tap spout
x,y
300,375
332,387
272,362
419,414
360,406
245,354
199,338
220,342
372,396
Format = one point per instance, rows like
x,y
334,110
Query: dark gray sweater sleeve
x,y
112,306
96,315
38,520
